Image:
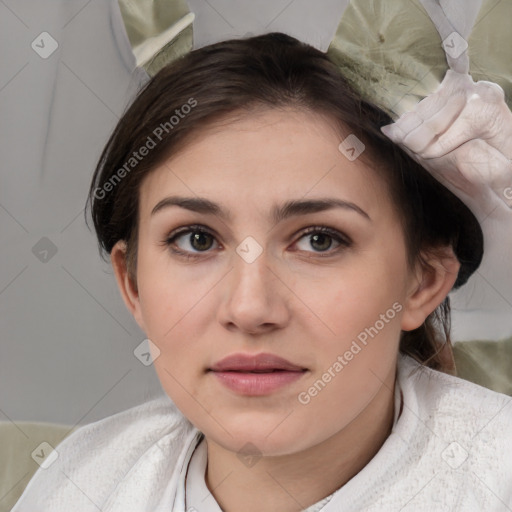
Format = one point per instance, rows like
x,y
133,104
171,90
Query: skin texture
x,y
291,301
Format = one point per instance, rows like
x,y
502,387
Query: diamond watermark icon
x,y
147,352
44,250
351,147
454,455
507,193
44,45
455,45
249,454
45,455
249,249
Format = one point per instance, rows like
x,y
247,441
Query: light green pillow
x,y
21,454
487,363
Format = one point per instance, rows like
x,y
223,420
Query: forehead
x,y
262,158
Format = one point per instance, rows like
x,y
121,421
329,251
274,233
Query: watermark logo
x,y
147,352
249,249
150,143
343,360
249,454
45,455
455,45
181,112
454,455
44,250
351,147
507,193
44,45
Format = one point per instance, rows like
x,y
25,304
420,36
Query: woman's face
x,y
332,303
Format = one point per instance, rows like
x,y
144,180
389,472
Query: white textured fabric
x,y
198,496
448,450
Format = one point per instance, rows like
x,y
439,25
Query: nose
x,y
255,299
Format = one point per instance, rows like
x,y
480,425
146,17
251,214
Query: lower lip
x,y
257,384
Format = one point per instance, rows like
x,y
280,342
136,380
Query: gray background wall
x,y
67,340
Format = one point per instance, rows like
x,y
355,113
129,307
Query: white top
x,y
450,449
198,496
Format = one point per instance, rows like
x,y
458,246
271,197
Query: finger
x,y
400,128
393,133
439,108
490,91
431,105
425,109
489,119
485,116
470,124
453,85
408,122
420,138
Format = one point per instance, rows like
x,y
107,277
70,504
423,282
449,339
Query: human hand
x,y
462,134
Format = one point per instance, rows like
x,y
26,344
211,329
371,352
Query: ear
x,y
430,286
127,288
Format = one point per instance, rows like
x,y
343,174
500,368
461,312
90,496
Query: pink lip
x,y
273,372
248,363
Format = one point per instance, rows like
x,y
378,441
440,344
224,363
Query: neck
x,y
293,482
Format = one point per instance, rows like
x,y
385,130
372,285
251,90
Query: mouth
x,y
273,370
258,363
256,375
257,382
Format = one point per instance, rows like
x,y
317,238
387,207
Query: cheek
x,y
361,303
353,296
362,306
176,302
170,306
172,318
169,294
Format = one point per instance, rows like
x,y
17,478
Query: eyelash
x,y
343,240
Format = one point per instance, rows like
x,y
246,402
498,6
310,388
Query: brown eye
x,y
191,241
321,239
200,241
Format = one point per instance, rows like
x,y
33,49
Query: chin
x,y
252,438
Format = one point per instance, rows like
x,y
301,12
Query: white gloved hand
x,y
462,134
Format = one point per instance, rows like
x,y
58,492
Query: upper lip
x,y
248,362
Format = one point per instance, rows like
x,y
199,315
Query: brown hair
x,y
276,71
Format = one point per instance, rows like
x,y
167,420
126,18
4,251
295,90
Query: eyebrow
x,y
278,212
